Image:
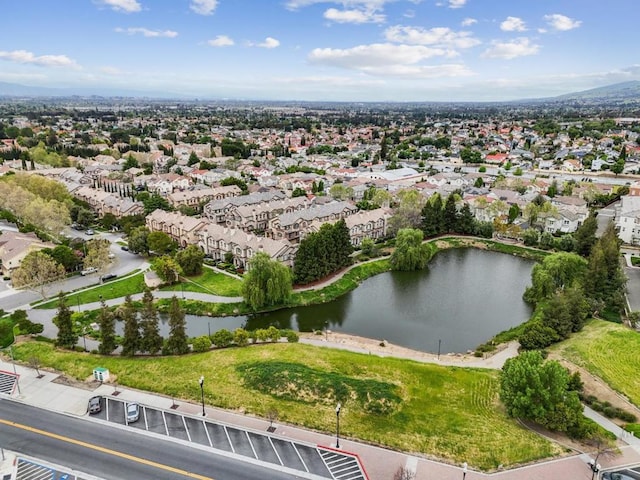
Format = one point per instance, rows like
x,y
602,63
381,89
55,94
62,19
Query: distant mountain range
x,y
17,90
616,93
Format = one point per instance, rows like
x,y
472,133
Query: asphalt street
x,y
115,453
122,263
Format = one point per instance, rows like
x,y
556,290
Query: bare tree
x,y
272,416
34,362
404,473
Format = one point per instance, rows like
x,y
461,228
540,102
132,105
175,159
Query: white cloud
x,y
147,33
22,56
561,22
513,24
334,81
221,41
441,36
457,3
387,59
203,7
519,47
269,42
371,5
353,16
467,22
127,6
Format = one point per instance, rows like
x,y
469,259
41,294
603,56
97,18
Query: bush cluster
x,y
240,337
607,409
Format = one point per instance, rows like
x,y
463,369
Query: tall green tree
x,y
585,236
604,280
67,338
410,252
466,224
268,282
150,339
533,389
566,311
160,243
107,323
450,215
190,260
556,271
177,343
131,339
137,240
433,216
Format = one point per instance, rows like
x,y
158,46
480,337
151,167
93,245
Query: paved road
x,y
114,453
123,263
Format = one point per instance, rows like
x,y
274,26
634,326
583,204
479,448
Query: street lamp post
x,y
13,361
595,467
338,407
464,470
202,394
326,330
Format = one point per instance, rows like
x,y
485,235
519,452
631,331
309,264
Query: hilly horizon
x,y
623,91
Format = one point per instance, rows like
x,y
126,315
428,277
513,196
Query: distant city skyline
x,y
317,50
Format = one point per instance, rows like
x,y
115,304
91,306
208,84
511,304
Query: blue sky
x,y
348,50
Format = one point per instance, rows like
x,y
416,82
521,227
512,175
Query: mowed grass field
x,y
211,282
450,413
609,350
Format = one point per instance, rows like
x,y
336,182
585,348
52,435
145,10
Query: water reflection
x,y
463,299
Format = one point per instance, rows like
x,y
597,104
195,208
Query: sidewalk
x,y
381,464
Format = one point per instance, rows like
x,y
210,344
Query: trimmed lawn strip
x,y
211,282
448,412
110,289
608,350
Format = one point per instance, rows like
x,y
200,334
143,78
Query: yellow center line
x,y
105,450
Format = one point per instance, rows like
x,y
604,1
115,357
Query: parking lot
x,y
8,382
28,470
631,473
271,449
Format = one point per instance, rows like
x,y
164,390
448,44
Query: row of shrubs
x,y
607,409
241,338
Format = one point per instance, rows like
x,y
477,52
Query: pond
x,y
463,299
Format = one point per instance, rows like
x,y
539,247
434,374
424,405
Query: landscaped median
x,y
444,412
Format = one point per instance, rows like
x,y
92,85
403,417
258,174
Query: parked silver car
x,y
133,412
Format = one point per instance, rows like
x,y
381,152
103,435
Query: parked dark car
x,y
95,405
125,248
108,276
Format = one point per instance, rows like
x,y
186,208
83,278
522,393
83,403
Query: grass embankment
x,y
108,290
451,413
211,282
609,351
348,282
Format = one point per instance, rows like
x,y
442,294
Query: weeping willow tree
x,y
268,282
410,252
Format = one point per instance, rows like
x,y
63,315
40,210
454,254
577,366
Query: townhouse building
x,y
295,225
181,228
196,196
256,217
216,210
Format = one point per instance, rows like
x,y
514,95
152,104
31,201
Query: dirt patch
x,y
89,384
599,389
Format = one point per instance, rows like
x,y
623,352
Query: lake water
x,y
463,299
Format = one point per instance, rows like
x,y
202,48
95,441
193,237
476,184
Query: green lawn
x,y
110,289
450,413
211,282
608,350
